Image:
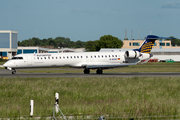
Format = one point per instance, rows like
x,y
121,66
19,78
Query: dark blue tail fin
x,y
148,43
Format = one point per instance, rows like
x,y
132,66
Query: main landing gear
x,y
86,71
13,71
98,71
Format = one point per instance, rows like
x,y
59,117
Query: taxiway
x,y
6,73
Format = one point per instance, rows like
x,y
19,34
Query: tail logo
x,y
146,48
148,43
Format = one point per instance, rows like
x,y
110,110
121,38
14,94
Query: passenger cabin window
x,y
74,56
81,57
77,56
115,55
106,56
59,57
86,56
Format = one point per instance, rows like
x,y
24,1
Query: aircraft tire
x,y
86,71
13,72
99,71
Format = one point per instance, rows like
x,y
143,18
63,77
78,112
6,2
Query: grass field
x,y
116,97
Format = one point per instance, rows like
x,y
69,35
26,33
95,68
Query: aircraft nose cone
x,y
6,64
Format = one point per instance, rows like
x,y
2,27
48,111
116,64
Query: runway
x,y
6,73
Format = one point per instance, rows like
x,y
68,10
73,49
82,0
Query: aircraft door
x,y
29,60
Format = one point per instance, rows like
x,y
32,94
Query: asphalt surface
x,y
7,73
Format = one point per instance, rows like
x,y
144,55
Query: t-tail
x,y
148,43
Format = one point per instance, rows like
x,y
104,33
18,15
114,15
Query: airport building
x,y
8,40
24,50
134,44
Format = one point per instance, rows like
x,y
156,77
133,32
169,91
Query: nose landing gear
x,y
13,71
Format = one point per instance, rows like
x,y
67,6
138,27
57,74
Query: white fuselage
x,y
91,60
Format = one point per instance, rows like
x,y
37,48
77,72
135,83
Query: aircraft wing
x,y
108,65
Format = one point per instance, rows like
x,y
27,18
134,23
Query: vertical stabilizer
x,y
148,43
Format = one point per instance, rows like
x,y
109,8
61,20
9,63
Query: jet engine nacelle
x,y
132,54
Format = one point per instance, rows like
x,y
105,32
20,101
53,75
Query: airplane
x,y
86,60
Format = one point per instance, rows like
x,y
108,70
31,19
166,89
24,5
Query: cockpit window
x,y
14,58
17,58
20,58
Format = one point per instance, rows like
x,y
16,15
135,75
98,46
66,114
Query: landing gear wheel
x,y
99,71
13,72
86,71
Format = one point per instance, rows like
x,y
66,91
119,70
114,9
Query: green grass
x,y
116,97
148,67
1,63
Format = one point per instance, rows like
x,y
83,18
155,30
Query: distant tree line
x,y
57,42
174,41
106,41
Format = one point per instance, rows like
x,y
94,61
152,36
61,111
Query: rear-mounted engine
x,y
132,54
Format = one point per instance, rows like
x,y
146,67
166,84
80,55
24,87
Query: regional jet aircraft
x,y
86,60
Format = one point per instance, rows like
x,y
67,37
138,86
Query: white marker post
x,y
57,101
31,107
